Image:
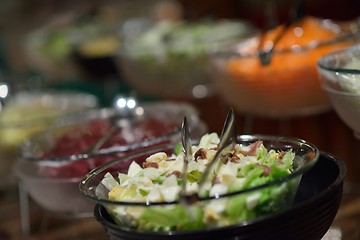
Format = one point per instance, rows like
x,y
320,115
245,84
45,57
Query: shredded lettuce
x,y
193,176
171,218
238,169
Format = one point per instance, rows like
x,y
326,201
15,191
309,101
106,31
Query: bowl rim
x,y
103,113
340,93
245,138
323,62
345,35
127,49
90,104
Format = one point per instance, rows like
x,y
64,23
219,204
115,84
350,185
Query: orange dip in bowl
x,y
289,84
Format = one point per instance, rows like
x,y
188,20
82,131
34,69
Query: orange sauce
x,y
296,65
289,84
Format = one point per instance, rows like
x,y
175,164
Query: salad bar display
x,y
111,116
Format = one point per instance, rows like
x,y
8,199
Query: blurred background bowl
x,y
26,113
339,73
65,47
92,189
80,43
53,162
169,59
287,86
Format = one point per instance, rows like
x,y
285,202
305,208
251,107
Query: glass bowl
x,y
287,86
169,59
216,211
27,113
52,163
339,73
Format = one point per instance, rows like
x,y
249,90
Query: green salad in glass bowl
x,y
256,178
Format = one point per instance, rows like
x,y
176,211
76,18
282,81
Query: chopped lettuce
x,y
171,218
239,168
193,176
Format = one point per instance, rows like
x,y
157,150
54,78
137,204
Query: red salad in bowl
x,y
52,163
86,135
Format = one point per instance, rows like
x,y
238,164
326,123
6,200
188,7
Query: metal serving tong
x,y
297,12
125,115
187,150
228,137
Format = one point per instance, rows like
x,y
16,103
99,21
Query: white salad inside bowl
x,y
247,182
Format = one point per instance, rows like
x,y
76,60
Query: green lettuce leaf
x,y
171,218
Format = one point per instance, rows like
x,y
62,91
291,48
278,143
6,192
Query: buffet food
x,y
317,201
288,85
256,178
79,139
160,177
28,113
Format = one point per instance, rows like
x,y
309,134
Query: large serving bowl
x,y
169,59
53,162
339,73
288,85
27,113
279,201
310,216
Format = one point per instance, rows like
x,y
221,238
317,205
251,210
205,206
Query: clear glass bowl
x,y
27,113
169,59
281,199
53,162
339,73
288,86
